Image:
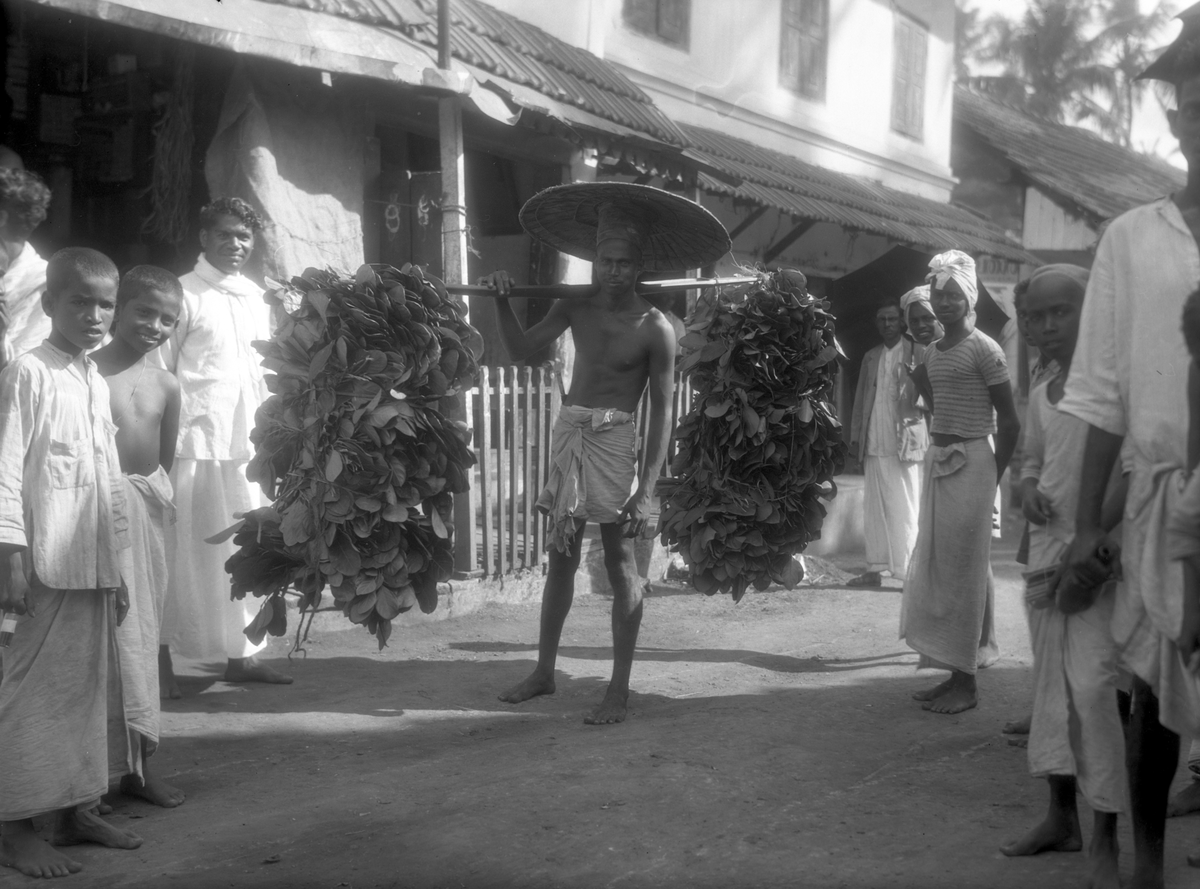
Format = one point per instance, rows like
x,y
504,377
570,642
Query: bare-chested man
x,y
145,408
622,345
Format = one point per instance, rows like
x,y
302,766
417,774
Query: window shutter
x,y
908,78
803,46
673,21
642,15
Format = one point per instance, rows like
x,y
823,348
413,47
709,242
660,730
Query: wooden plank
x,y
501,455
541,458
787,240
469,562
514,462
527,466
484,449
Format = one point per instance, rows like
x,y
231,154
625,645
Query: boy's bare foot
x,y
1186,801
247,669
611,710
83,826
957,700
1052,835
168,687
152,789
536,683
23,850
866,579
1018,726
936,692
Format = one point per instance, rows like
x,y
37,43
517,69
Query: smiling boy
x,y
145,408
61,513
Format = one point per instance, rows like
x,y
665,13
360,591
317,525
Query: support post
x,y
454,267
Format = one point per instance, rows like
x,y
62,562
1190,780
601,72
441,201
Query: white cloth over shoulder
x,y
1129,377
593,470
24,283
212,356
144,568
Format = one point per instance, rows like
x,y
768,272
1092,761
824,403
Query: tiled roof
x,y
1095,176
778,180
508,47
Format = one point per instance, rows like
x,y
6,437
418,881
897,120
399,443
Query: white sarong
x,y
144,569
1148,614
593,470
62,729
947,607
891,505
1076,727
200,620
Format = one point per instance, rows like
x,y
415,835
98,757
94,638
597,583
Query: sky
x,y
1150,131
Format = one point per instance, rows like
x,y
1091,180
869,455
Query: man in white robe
x,y
221,384
24,199
1128,381
888,436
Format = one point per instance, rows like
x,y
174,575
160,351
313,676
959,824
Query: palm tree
x,y
1050,54
1126,36
968,38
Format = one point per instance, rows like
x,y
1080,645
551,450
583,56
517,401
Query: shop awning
x,y
806,191
302,37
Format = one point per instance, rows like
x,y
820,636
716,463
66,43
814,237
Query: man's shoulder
x,y
1133,222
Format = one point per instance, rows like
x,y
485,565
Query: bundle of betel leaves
x,y
353,451
760,445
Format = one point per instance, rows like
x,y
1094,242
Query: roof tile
x,y
1097,177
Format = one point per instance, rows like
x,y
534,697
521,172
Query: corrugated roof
x,y
1096,177
778,180
502,44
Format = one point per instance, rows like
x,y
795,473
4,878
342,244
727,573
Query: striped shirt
x,y
960,378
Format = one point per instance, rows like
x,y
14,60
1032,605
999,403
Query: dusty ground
x,y
771,743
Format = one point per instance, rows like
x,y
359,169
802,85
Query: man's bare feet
x,y
23,850
536,683
936,692
1018,726
83,826
247,669
1146,877
1103,869
1052,835
168,687
152,789
1186,801
957,700
611,710
866,579
1193,860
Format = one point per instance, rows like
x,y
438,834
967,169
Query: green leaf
x,y
333,466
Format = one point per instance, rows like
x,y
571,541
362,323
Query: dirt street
x,y
771,743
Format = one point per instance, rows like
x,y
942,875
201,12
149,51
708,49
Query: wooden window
x,y
804,47
665,20
908,78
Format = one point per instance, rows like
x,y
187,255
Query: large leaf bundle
x,y
353,450
761,443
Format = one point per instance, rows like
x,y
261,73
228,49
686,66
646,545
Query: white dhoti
x,y
62,729
946,613
891,506
200,620
144,567
1148,613
593,470
1076,727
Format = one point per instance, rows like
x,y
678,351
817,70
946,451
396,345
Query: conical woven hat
x,y
674,234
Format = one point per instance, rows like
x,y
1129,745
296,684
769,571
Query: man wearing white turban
x,y
946,613
888,436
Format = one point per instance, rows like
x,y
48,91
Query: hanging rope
x,y
171,179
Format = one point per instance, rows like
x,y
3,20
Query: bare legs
x,y
150,787
23,850
168,687
1152,753
557,597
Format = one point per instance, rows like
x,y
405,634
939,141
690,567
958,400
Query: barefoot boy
x,y
60,531
145,407
1076,738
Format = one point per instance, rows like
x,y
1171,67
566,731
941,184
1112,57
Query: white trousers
x,y
892,504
